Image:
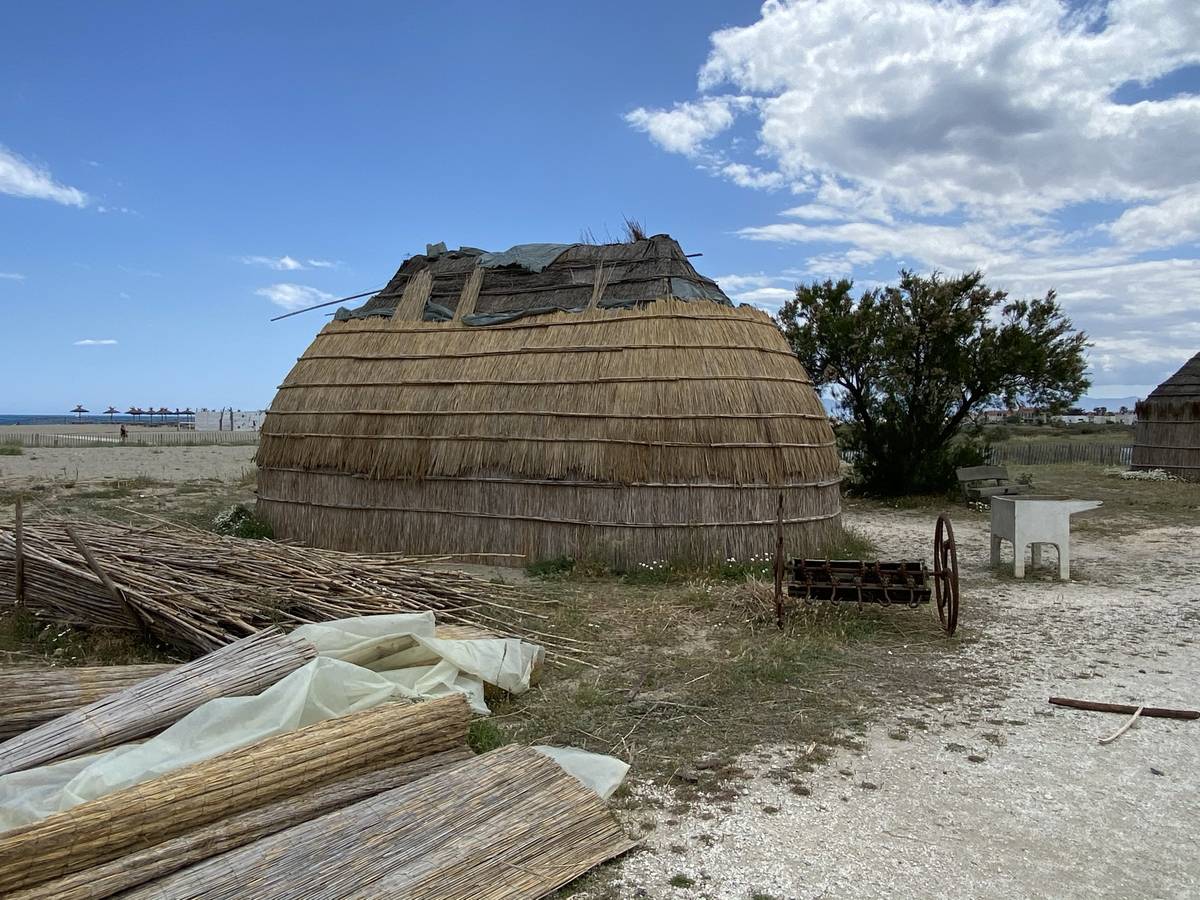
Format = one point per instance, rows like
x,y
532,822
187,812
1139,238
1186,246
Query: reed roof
x,y
544,277
1183,385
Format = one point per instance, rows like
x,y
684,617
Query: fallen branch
x,y
1157,712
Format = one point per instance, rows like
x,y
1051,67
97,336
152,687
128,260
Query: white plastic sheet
x,y
362,662
603,774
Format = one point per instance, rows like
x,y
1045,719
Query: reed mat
x,y
243,667
509,825
34,695
278,767
235,831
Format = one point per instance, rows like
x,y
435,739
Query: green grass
x,y
11,450
682,881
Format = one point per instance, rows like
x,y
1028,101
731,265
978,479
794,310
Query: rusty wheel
x,y
945,574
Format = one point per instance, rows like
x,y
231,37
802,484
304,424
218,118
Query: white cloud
x,y
21,178
117,209
294,296
94,342
12,276
1174,222
686,126
278,263
956,135
288,264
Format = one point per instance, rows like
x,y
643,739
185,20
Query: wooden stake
x,y
112,589
1157,712
19,537
779,564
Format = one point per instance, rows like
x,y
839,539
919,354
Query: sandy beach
x,y
87,465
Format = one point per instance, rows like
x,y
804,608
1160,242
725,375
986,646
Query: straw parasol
x,y
79,411
602,401
1167,433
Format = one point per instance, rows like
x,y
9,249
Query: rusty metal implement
x,y
900,583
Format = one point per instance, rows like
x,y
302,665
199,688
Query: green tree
x,y
910,364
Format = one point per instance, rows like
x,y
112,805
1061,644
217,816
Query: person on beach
x,y
124,434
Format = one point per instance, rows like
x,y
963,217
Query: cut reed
x,y
200,590
235,831
243,667
33,696
246,778
509,825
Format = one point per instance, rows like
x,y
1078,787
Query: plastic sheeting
x,y
362,662
603,774
533,257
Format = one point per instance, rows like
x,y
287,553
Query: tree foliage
x,y
910,365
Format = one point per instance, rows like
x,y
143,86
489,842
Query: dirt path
x,y
989,792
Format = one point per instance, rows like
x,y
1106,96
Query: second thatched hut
x,y
591,401
1167,433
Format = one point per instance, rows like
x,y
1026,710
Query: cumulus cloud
x,y
958,135
685,127
95,342
294,296
22,178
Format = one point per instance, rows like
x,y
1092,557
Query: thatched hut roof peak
x,y
1183,385
532,279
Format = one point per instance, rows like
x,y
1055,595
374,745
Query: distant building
x,y
229,419
1101,415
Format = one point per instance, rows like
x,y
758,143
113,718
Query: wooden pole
x,y
112,589
1156,712
779,564
19,538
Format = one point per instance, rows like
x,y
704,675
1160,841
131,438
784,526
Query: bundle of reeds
x,y
237,830
243,667
34,695
510,824
283,766
200,590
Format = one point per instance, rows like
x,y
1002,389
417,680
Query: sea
x,y
68,419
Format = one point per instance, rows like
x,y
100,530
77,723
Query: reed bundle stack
x,y
508,825
595,401
287,765
200,590
1167,433
33,696
243,667
235,831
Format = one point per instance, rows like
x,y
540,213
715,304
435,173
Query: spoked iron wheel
x,y
945,574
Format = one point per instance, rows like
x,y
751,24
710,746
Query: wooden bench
x,y
980,482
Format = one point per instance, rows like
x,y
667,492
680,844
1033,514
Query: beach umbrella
x,y
110,412
163,413
134,411
79,411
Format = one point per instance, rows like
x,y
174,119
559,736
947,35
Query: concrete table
x,y
1036,519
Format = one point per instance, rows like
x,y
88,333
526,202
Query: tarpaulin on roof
x,y
533,257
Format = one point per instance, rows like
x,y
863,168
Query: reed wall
x,y
1167,436
665,432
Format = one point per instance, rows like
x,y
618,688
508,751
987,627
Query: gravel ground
x,y
991,792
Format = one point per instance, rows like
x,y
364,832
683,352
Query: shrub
x,y
237,521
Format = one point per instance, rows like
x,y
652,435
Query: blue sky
x,y
173,175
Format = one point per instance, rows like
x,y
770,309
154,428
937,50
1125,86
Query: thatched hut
x,y
1167,433
595,401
